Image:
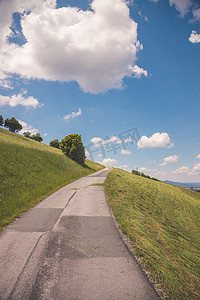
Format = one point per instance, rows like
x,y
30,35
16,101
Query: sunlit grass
x,y
29,171
163,223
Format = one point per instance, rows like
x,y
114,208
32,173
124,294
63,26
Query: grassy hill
x,y
163,224
29,171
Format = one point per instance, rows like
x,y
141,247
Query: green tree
x,y
72,146
54,143
135,172
27,134
13,125
37,137
1,120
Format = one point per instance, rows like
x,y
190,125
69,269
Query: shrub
x,y
54,143
37,137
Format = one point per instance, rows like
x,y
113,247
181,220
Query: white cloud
x,y
196,14
109,162
5,84
169,159
113,139
198,156
69,44
26,127
87,154
157,140
73,115
129,140
185,170
195,169
182,6
138,72
19,99
186,6
126,152
4,81
194,37
147,170
96,140
143,169
181,170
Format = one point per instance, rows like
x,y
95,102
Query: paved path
x,y
67,248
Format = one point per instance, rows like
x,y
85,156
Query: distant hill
x,y
29,171
186,185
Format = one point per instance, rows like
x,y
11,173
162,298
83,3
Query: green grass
x,y
29,171
163,224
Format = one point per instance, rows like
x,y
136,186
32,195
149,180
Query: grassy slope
x,y
29,171
163,223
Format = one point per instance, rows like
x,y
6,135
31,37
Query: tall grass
x,y
163,223
29,171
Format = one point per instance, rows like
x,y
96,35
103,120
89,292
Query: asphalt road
x,y
67,248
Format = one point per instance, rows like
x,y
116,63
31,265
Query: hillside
x,y
162,222
29,171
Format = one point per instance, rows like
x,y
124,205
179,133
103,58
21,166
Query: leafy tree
x,y
1,120
135,172
37,137
27,134
54,143
13,125
72,146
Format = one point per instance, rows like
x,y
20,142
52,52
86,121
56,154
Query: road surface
x,y
67,248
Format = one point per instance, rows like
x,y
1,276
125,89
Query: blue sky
x,y
105,67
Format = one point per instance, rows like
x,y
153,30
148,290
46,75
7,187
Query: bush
x,y
72,146
37,137
54,143
135,172
27,134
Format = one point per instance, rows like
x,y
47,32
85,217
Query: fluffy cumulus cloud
x,y
96,141
195,170
73,115
169,159
109,162
143,169
138,72
126,152
19,99
181,170
157,140
194,37
96,48
198,156
27,127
